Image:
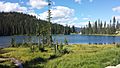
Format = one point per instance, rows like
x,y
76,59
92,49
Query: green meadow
x,y
78,56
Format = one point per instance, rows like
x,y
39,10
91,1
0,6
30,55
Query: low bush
x,y
118,45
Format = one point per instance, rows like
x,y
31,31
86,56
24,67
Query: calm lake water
x,y
72,39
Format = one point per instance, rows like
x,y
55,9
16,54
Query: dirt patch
x,y
3,51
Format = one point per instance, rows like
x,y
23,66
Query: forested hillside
x,y
100,27
14,23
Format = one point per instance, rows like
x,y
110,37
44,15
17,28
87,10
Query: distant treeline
x,y
14,23
100,27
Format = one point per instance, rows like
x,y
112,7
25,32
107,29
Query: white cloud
x,y
78,1
33,14
38,3
86,18
60,14
64,15
116,9
117,17
84,23
80,24
8,6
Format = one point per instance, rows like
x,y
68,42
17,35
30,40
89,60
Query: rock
x,y
110,67
118,66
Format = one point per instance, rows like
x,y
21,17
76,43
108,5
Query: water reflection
x,y
72,39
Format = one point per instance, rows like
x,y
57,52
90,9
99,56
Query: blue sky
x,y
71,12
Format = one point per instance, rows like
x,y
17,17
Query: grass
x,y
103,34
80,56
87,56
26,56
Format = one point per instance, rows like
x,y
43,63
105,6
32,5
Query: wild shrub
x,y
61,46
65,51
65,41
13,42
118,45
53,56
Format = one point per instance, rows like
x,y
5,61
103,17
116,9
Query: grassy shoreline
x,y
102,34
80,56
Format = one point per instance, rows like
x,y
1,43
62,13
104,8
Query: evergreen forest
x,y
14,23
100,27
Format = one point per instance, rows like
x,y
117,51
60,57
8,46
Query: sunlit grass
x,y
87,56
80,56
25,55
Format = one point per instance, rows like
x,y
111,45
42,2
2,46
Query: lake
x,y
72,39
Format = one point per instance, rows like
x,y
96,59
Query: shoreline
x,y
7,46
116,35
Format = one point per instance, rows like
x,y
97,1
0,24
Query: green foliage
x,y
74,56
87,56
61,46
13,42
32,48
73,29
14,23
65,51
117,45
67,30
56,47
98,28
7,64
29,59
65,41
90,30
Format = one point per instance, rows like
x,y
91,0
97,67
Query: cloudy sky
x,y
71,12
